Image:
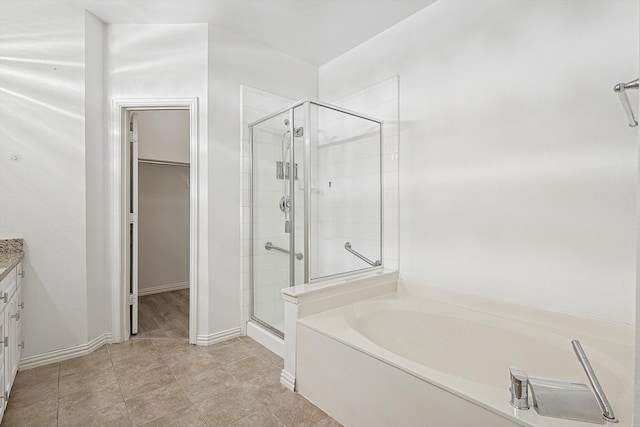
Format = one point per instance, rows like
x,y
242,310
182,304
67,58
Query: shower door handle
x,y
268,246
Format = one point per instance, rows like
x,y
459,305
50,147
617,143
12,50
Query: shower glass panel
x,y
269,214
316,201
346,196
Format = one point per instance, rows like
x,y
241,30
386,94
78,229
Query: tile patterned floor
x,y
162,383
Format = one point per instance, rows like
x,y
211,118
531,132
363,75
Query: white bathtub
x,y
407,360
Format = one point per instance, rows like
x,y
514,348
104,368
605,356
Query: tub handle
x,y
607,411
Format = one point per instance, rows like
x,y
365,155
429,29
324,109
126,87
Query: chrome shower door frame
x,y
306,104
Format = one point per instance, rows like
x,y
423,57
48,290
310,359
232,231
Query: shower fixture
x,y
620,89
298,132
285,172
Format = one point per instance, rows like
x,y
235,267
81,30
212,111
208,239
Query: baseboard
x,y
218,336
288,380
162,288
65,353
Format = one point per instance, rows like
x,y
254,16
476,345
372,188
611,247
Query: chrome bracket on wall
x,y
284,172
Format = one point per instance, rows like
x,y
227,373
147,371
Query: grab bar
x,y
268,246
347,246
620,89
607,411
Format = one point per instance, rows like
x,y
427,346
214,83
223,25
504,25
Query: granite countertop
x,y
11,253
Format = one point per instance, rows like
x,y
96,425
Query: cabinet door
x,y
3,398
12,315
19,337
3,347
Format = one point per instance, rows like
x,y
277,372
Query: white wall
x,y
517,168
164,135
234,61
43,192
380,101
163,224
167,61
163,199
98,294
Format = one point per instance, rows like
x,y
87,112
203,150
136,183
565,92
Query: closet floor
x,y
162,383
164,315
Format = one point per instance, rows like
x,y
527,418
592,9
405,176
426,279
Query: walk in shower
x,y
316,201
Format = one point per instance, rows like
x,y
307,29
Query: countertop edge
x,y
14,260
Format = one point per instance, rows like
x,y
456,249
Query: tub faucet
x,y
519,388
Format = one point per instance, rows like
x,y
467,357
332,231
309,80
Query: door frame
x,y
118,218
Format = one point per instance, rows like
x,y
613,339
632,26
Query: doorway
x,y
159,223
124,248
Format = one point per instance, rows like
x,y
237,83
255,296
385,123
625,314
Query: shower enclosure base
x,y
265,338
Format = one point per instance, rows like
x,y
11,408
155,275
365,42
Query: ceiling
x,y
316,31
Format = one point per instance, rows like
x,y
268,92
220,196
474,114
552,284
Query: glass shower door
x,y
270,219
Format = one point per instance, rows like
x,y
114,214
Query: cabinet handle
x,y
21,274
16,316
21,305
5,297
21,345
6,341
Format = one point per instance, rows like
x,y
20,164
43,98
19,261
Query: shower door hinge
x,y
133,299
132,218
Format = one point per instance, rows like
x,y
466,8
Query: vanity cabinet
x,y
11,307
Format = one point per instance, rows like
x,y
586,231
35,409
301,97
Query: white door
x,y
133,220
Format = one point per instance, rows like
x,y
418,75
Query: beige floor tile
x,y
36,375
166,345
93,361
186,417
91,399
267,387
186,350
144,382
269,357
191,364
327,422
262,418
142,363
202,385
157,382
109,416
86,381
131,349
294,410
41,414
230,351
25,396
156,403
248,368
229,406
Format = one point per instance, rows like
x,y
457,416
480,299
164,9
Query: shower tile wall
x,y
345,216
270,266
